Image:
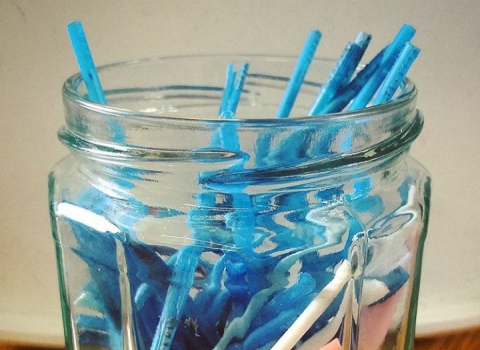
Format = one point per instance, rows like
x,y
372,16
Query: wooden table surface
x,y
461,340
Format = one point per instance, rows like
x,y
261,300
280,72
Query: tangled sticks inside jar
x,y
202,212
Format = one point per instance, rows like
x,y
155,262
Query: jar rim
x,y
71,94
116,134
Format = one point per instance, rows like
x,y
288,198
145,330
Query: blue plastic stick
x,y
85,62
342,73
397,74
405,34
298,75
228,136
240,78
188,257
363,40
230,78
345,95
175,301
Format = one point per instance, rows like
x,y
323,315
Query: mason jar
x,y
177,229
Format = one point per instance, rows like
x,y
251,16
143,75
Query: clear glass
x,y
175,229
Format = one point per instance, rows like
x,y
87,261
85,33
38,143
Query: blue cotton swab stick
x,y
405,34
90,75
341,73
230,78
240,78
292,90
397,74
227,92
184,268
345,95
85,62
177,294
363,40
298,74
228,136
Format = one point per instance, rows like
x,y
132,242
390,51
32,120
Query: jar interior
x,y
192,87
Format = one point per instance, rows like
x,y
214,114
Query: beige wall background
x,y
35,58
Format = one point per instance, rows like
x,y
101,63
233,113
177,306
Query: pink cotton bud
x,y
333,345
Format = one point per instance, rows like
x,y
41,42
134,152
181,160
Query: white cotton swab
x,y
331,329
315,309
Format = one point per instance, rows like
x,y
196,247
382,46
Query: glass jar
x,y
175,229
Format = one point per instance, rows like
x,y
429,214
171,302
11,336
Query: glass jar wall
x,y
176,229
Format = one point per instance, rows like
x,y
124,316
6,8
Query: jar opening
x,y
166,109
189,88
